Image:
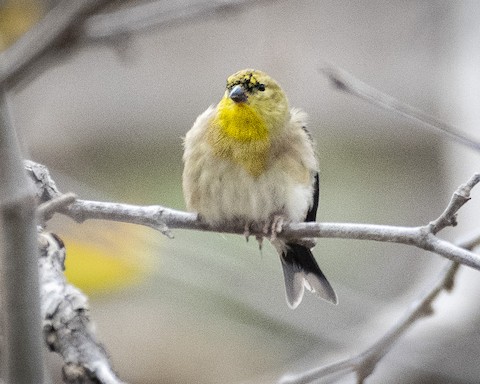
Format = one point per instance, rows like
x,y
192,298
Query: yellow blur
x,y
16,18
102,258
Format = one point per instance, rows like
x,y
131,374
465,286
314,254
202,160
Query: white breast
x,y
227,192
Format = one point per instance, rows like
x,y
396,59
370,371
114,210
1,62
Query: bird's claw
x,y
246,231
270,228
275,226
260,241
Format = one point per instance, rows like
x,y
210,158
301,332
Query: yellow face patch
x,y
240,121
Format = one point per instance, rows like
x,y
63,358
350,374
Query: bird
x,y
251,160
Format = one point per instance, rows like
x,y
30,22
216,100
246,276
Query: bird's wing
x,y
312,212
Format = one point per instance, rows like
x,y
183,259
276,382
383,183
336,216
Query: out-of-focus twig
x,y
365,362
44,36
22,349
66,323
346,82
156,14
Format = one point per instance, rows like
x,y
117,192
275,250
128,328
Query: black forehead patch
x,y
246,79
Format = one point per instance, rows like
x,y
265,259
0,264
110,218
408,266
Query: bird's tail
x,y
302,271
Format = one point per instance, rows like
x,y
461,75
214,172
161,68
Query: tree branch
x,y
23,349
460,197
44,36
164,219
46,210
155,14
66,323
345,82
365,362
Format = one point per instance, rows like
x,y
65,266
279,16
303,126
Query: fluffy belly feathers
x,y
221,191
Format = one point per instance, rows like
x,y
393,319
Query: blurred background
x,y
108,120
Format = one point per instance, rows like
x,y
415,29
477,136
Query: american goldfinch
x,y
250,159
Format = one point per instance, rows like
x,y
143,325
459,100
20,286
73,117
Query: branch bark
x,y
23,342
66,323
164,219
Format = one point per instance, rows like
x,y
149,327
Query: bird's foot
x,y
247,232
274,227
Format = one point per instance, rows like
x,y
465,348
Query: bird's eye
x,y
261,87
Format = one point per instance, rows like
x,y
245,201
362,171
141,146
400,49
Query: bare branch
x,y
66,323
44,36
155,14
45,187
459,198
163,219
46,210
364,363
351,85
23,342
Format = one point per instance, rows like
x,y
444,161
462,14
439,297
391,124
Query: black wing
x,y
312,212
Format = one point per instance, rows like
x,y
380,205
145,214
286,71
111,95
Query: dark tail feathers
x,y
301,271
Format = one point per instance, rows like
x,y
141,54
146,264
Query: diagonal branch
x,y
45,35
72,21
365,362
351,85
155,14
460,197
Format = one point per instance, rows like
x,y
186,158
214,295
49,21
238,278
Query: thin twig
x,y
351,85
66,322
365,362
459,198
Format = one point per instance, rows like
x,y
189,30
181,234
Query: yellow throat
x,y
239,133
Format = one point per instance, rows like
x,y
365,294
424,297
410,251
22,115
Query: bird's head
x,y
252,92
